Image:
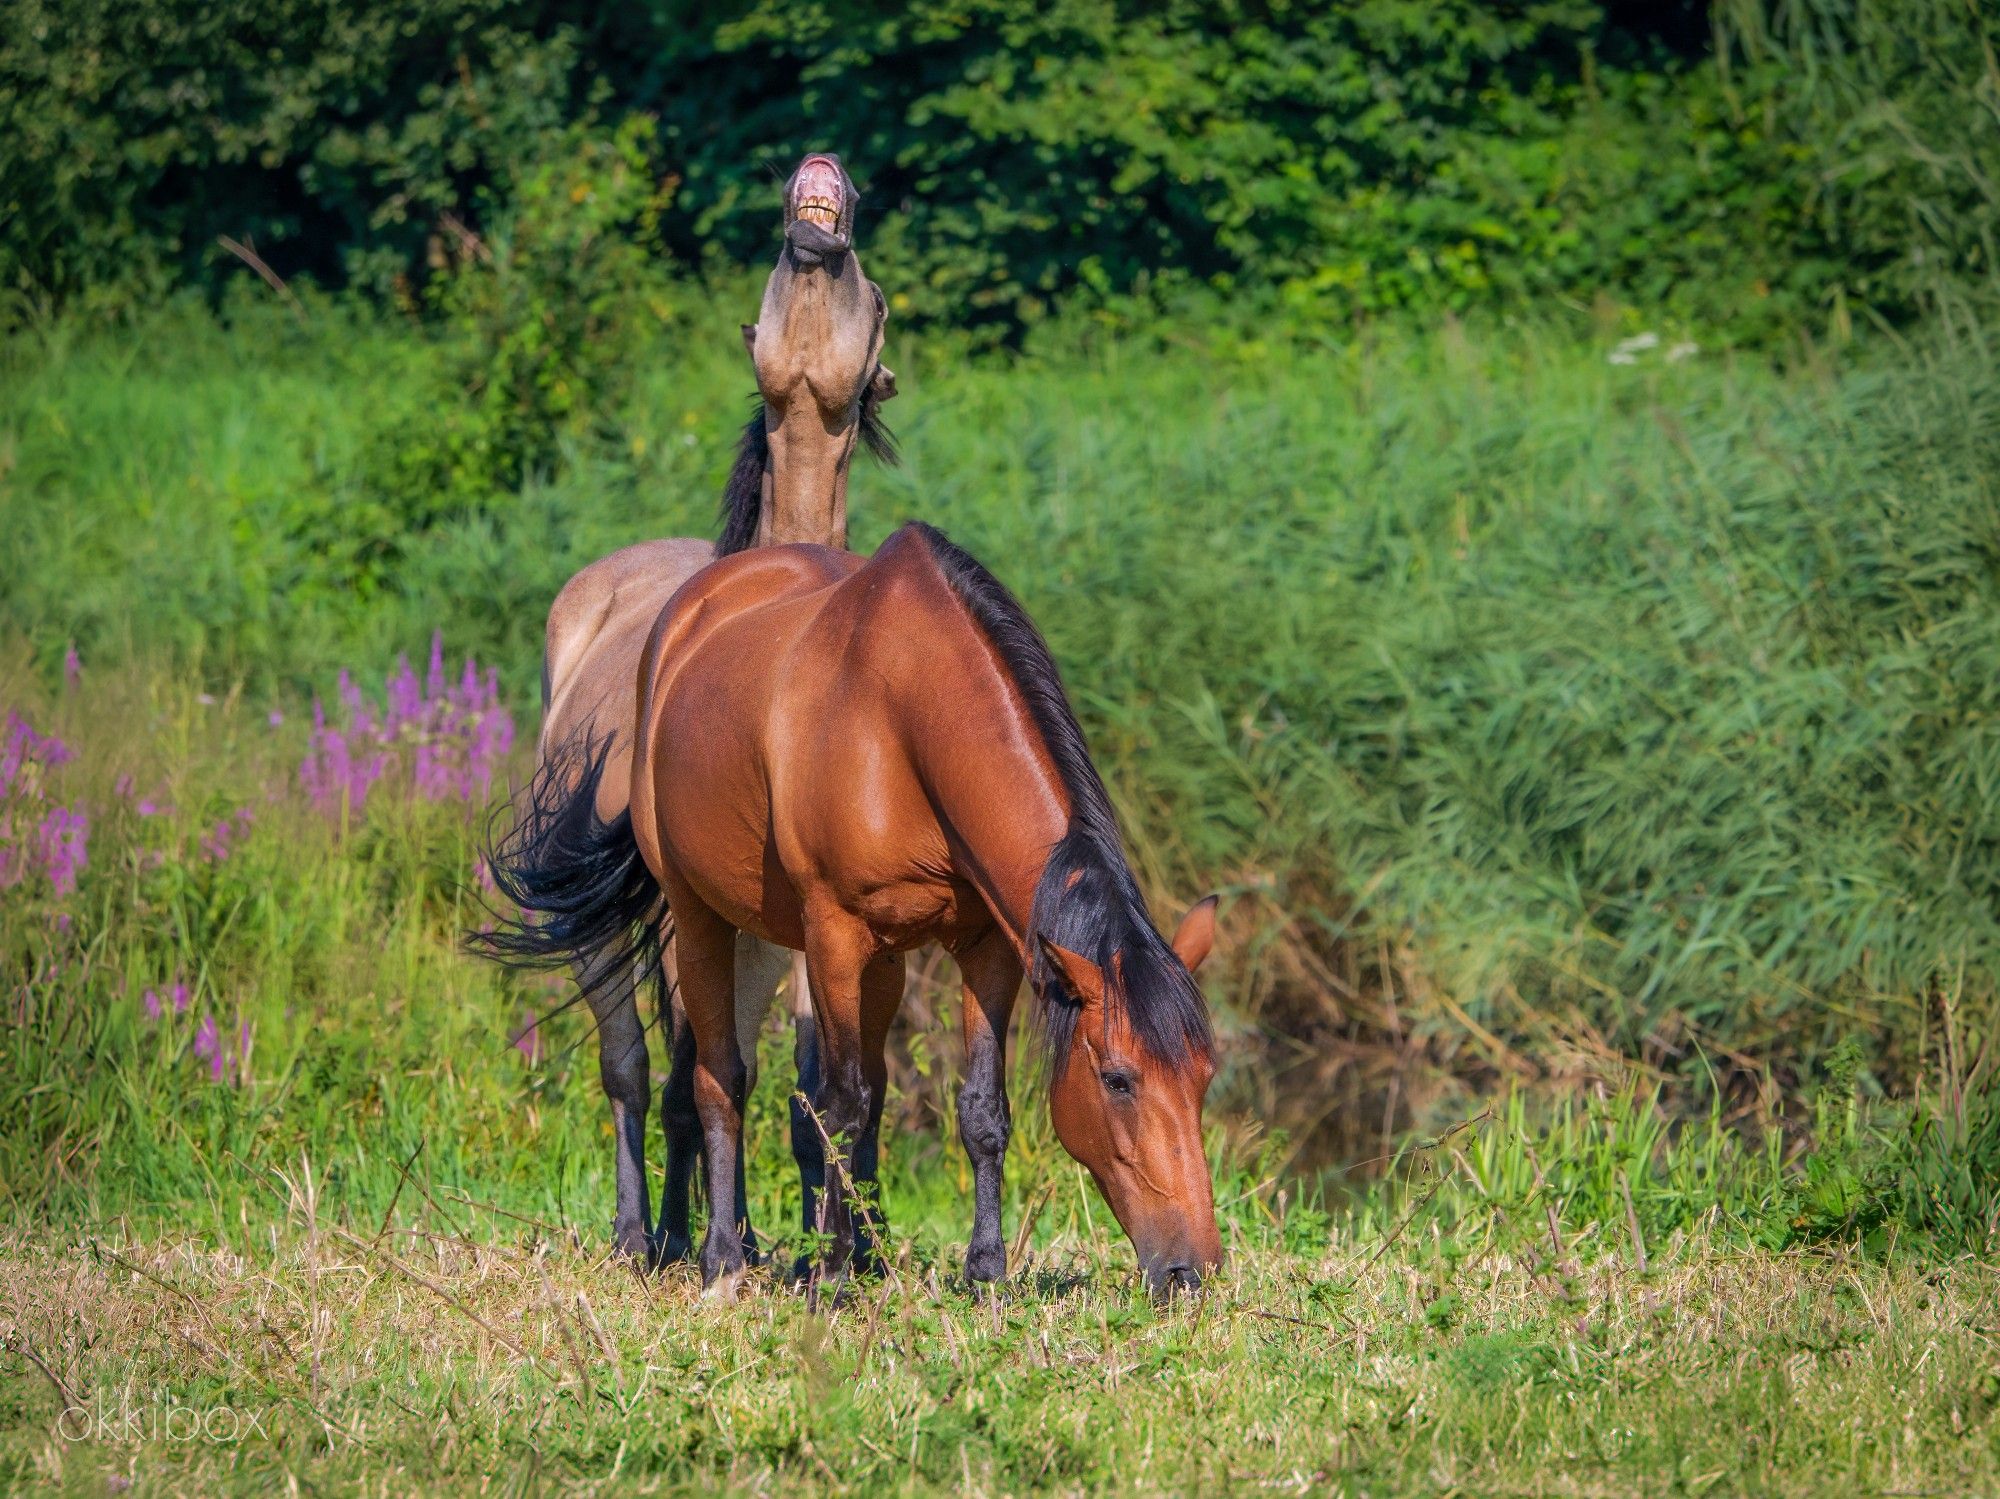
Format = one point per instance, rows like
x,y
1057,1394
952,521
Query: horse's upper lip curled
x,y
818,192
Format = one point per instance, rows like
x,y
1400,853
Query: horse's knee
x,y
624,1068
844,1102
983,1122
721,1083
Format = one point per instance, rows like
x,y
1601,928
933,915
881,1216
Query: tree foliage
x,y
1746,168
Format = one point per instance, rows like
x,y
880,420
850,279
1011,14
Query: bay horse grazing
x,y
816,347
854,758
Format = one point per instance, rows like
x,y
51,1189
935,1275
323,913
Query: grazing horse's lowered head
x,y
817,350
1127,1080
1125,1027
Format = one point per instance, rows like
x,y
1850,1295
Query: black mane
x,y
743,495
1087,899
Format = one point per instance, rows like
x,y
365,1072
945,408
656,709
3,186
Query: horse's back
x,y
596,630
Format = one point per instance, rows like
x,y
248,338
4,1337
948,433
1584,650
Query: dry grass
x,y
429,1356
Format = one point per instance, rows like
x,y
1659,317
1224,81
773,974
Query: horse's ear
x,y
1196,933
750,341
1083,978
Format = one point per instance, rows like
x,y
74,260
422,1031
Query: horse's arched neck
x,y
999,797
805,479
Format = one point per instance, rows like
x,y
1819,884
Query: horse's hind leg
x,y
682,1127
759,966
624,1069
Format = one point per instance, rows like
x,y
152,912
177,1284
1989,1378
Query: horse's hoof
x,y
632,1243
672,1250
725,1288
985,1263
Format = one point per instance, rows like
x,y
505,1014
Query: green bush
x,y
1793,162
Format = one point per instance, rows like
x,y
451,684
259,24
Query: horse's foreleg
x,y
992,975
838,951
806,1149
707,962
881,997
624,1070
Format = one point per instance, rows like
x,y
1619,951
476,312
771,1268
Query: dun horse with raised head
x,y
816,348
851,759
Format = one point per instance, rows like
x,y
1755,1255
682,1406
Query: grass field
x,y
1598,761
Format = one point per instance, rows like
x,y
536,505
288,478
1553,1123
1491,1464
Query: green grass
x,y
384,1236
1598,760
1532,711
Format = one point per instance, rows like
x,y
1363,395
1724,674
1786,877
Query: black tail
x,y
585,896
743,495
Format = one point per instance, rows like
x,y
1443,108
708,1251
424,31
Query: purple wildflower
x,y
208,1047
20,745
220,841
275,718
529,1041
152,1002
451,736
63,840
72,668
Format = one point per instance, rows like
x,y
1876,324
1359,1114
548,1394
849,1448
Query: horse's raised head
x,y
816,347
819,209
1126,1095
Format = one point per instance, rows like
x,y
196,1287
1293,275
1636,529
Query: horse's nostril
x,y
1181,1276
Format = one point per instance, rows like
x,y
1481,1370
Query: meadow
x,y
1591,734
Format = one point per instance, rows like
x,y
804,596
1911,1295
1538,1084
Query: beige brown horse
x,y
816,347
851,759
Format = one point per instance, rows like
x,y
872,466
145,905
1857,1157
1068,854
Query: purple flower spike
x,y
208,1047
72,668
180,997
529,1042
152,1002
62,838
447,736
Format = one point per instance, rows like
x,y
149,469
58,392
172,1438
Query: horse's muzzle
x,y
1170,1278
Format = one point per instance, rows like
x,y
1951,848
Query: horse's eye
x,y
1117,1080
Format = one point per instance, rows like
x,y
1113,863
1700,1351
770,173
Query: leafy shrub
x,y
540,326
1832,159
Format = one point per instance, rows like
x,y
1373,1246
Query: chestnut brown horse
x,y
854,758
